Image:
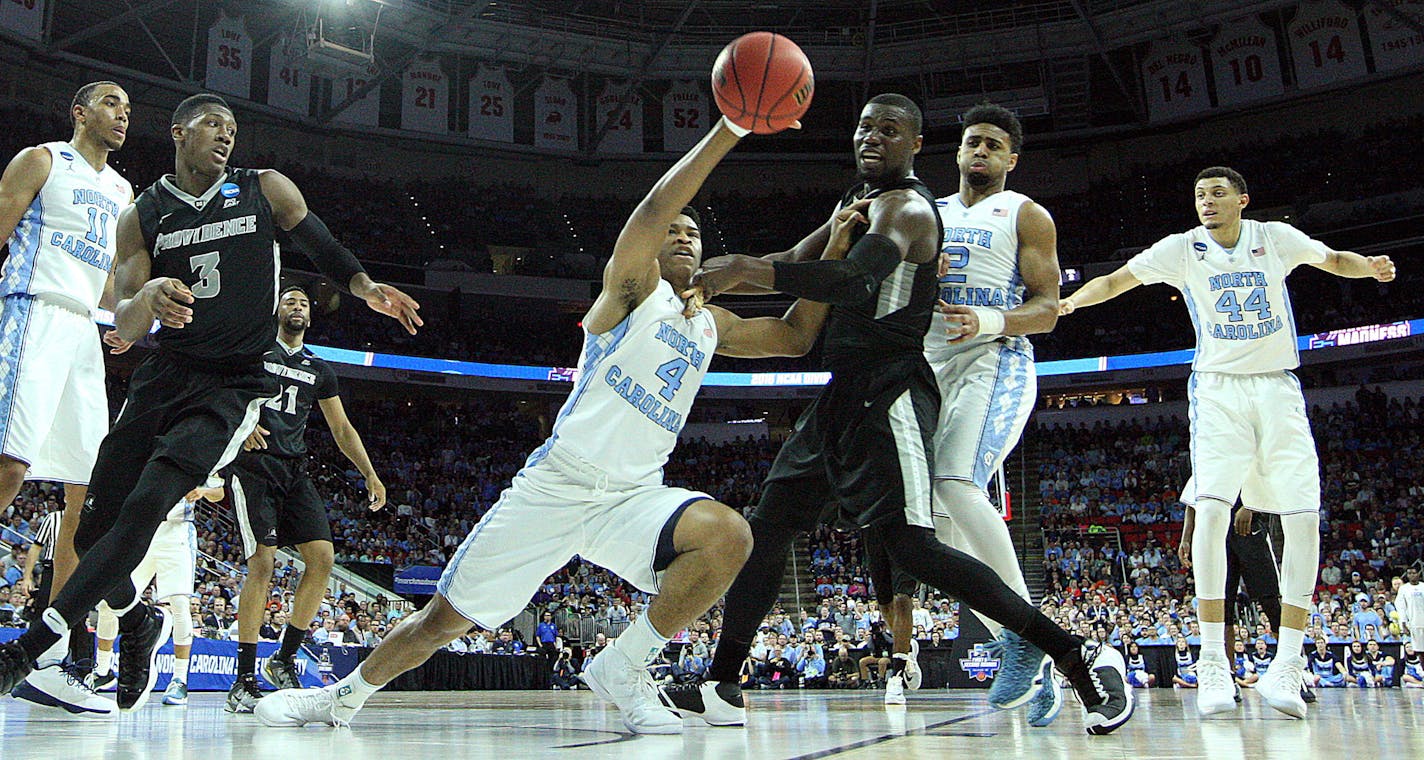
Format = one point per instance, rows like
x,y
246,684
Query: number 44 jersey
x,y
222,245
635,387
1237,297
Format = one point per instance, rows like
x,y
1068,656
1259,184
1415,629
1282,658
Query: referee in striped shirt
x,y
41,551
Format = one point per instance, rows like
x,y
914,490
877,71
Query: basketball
x,y
762,82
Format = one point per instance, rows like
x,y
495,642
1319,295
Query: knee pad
x,y
108,626
180,608
1300,558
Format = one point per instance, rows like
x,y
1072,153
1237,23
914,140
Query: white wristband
x,y
991,321
734,129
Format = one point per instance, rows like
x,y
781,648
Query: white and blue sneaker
x,y
1020,665
176,693
53,686
1049,702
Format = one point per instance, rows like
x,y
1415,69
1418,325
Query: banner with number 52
x,y
685,118
229,57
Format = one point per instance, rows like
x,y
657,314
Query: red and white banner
x,y
366,111
555,115
491,105
686,116
229,57
23,17
425,98
1325,43
1245,63
289,77
1174,80
625,132
1396,45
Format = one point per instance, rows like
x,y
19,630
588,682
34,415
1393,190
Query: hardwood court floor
x,y
936,724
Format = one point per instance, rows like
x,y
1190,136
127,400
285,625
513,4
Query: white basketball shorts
x,y
987,392
171,559
53,408
1251,438
552,511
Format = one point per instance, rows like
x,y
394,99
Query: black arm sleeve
x,y
330,256
844,283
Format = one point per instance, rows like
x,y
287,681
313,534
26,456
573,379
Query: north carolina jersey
x,y
982,245
636,384
64,243
1237,297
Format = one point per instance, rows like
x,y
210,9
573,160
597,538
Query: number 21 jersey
x,y
222,245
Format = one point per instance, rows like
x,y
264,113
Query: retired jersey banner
x,y
555,116
366,111
23,17
1325,43
289,79
625,133
229,57
1245,64
425,98
491,105
685,116
1396,44
1174,80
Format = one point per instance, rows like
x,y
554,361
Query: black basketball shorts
x,y
275,502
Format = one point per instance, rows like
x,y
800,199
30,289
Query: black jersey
x,y
305,380
891,324
222,245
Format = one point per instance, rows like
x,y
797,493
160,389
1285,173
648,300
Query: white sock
x,y
641,643
180,669
56,652
354,690
1291,642
1213,639
105,661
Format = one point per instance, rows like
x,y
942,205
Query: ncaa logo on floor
x,y
978,664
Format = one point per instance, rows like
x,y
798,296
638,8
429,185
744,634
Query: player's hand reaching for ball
x,y
375,493
1381,267
392,302
166,299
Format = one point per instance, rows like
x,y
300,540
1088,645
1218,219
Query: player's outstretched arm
x,y
349,441
632,271
793,333
1100,289
19,185
805,250
897,219
1355,266
290,212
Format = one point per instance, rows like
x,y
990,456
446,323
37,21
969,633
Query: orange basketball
x,y
762,82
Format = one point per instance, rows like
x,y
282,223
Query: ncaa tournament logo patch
x,y
66,155
1200,248
229,190
979,664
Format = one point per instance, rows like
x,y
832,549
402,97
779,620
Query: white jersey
x,y
635,388
64,244
1410,604
982,243
1237,298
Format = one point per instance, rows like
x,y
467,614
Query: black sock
x,y
751,596
81,644
246,658
291,641
131,620
37,639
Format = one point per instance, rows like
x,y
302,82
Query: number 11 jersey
x,y
222,245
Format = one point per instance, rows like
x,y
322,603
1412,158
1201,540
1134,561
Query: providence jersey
x,y
222,245
982,245
305,380
64,243
635,387
891,324
1237,298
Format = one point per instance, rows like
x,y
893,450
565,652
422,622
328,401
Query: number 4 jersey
x,y
635,387
222,245
1237,297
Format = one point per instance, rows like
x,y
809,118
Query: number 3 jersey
x,y
635,387
222,245
1237,297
